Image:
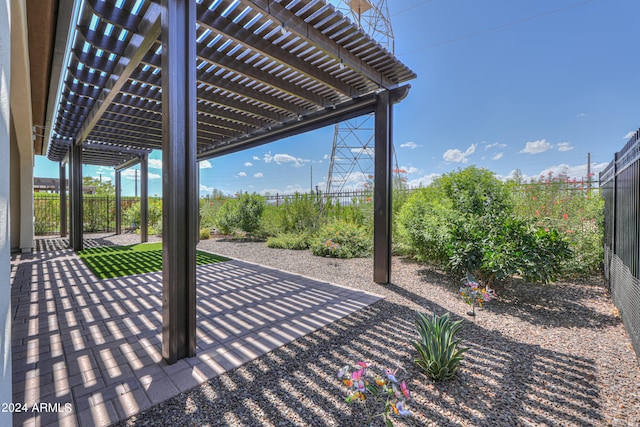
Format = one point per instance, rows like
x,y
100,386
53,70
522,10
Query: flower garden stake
x,y
475,294
381,395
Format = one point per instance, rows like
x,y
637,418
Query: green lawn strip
x,y
117,261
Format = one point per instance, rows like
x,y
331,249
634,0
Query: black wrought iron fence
x,y
99,213
343,198
620,187
46,208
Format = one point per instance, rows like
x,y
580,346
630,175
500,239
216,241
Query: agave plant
x,y
438,352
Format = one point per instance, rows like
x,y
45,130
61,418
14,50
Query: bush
x,y
131,215
209,207
555,202
205,234
243,213
296,241
475,191
423,225
300,213
341,239
438,352
465,222
359,211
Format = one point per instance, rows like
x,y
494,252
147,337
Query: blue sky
x,y
502,84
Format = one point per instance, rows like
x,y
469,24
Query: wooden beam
x,y
383,184
118,201
248,39
179,168
307,31
137,48
144,198
77,208
63,200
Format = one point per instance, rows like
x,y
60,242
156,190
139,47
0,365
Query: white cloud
x,y
536,147
248,164
582,115
579,171
103,178
285,158
411,145
256,158
258,175
498,156
289,189
565,146
326,156
242,174
368,151
458,156
629,135
205,189
131,174
422,181
495,144
205,164
409,170
155,164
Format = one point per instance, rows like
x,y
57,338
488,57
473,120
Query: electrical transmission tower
x,y
352,160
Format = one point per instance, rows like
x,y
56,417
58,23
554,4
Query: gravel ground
x,y
539,355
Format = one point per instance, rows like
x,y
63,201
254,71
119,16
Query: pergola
x,y
203,78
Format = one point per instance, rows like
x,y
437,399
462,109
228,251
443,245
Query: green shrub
x,y
209,207
438,352
555,202
243,213
465,222
359,211
423,225
228,216
296,241
251,208
341,239
507,246
475,191
205,234
269,221
300,213
131,215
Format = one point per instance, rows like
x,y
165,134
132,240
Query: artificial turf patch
x,y
116,261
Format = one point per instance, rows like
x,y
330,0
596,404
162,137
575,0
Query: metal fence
x,y
342,198
620,188
99,213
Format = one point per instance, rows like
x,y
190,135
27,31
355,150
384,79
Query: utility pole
x,y
588,173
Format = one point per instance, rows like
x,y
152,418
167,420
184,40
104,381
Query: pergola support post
x,y
144,198
63,200
77,208
179,169
383,187
118,180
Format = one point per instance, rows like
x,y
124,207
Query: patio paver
x,y
88,351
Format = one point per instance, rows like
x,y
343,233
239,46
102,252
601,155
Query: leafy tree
x,y
102,188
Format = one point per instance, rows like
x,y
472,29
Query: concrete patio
x,y
88,351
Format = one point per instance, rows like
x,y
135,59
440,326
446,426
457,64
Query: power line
x,y
499,27
410,7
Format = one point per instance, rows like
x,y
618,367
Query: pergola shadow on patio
x,y
201,79
91,349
